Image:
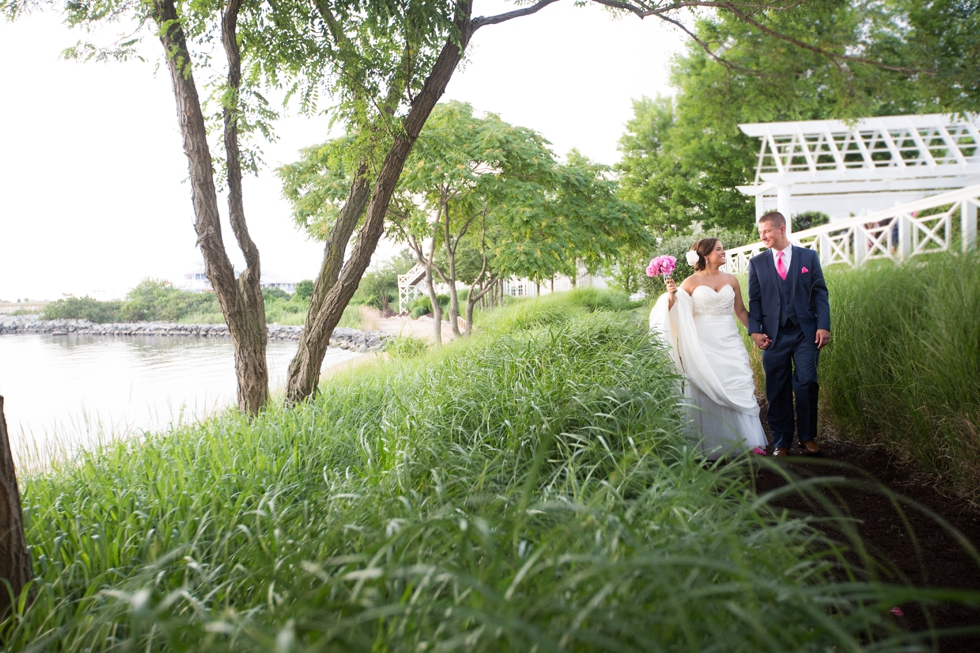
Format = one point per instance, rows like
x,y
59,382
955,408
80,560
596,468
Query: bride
x,y
696,322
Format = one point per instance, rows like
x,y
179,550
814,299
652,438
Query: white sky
x,y
92,192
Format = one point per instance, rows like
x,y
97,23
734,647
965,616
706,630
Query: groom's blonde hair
x,y
775,218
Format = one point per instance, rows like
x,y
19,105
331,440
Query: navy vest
x,y
787,313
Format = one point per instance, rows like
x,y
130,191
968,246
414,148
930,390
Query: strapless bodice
x,y
708,302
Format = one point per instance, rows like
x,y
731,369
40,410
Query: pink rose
x,y
667,265
661,265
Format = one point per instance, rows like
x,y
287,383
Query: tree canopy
x,y
683,156
480,199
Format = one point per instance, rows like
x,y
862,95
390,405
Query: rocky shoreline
x,y
342,338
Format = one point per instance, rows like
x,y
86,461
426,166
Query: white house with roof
x,y
197,281
273,280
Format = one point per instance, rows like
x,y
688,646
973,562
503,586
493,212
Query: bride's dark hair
x,y
702,248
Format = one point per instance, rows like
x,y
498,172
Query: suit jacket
x,y
808,293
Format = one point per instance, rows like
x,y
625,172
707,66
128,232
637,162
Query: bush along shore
x,y
525,489
342,338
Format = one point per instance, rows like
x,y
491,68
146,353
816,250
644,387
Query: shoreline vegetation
x,y
157,301
526,488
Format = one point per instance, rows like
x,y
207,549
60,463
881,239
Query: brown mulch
x,y
918,548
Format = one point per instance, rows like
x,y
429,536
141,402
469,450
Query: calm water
x,y
61,392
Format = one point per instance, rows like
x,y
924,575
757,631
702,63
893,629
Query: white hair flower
x,y
692,257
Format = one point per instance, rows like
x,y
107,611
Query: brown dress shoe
x,y
780,451
811,448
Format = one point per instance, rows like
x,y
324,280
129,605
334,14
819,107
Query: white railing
x,y
920,227
408,286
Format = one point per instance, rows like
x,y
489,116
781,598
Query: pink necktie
x,y
780,268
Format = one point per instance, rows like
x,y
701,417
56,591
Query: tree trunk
x,y
453,299
299,388
240,300
451,281
476,295
248,328
430,284
304,369
15,561
470,305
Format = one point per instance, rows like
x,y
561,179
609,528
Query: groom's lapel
x,y
770,266
795,270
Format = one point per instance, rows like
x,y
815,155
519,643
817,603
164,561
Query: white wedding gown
x,y
722,413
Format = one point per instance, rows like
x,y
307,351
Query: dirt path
x,y
422,327
912,544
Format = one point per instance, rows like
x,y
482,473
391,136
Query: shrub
x,y
379,288
156,300
273,295
422,305
304,290
809,219
82,308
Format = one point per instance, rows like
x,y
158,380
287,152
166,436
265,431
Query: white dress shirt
x,y
787,256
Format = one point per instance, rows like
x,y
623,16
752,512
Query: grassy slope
x,y
528,487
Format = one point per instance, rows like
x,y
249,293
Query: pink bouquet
x,y
662,266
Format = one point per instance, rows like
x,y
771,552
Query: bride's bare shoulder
x,y
690,284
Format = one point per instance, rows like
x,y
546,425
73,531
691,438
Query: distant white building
x,y
412,285
272,280
197,281
516,287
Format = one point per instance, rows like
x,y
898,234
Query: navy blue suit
x,y
789,312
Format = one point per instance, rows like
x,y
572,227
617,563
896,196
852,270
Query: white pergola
x,y
872,165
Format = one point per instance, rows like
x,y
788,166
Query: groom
x,y
789,320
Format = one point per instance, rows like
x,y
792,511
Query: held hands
x,y
762,341
823,338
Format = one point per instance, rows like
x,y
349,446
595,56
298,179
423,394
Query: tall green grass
x,y
527,489
555,309
904,366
